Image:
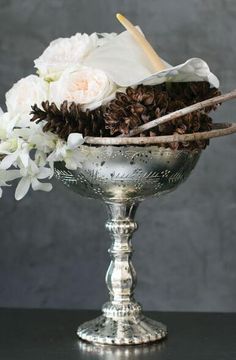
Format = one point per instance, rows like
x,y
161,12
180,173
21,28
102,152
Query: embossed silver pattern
x,y
122,176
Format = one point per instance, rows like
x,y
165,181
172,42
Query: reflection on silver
x,y
109,352
123,176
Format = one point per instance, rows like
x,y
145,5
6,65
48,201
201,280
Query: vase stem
x,y
122,322
121,275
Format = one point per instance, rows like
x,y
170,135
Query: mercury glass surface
x,y
123,176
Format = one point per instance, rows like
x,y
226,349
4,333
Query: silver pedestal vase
x,y
123,176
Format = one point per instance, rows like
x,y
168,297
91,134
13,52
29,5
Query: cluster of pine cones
x,y
132,108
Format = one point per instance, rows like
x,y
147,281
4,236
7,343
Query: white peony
x,y
63,53
25,93
83,85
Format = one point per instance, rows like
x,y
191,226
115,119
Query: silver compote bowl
x,y
123,176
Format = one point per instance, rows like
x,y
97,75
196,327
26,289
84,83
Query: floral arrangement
x,y
76,75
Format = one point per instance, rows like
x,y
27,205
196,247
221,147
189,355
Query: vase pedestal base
x,y
128,331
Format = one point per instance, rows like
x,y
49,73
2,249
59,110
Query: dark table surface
x,y
51,335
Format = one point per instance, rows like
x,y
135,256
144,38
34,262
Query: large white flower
x,y
25,93
127,65
84,85
65,52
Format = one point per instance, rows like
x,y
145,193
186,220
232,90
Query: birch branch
x,y
218,130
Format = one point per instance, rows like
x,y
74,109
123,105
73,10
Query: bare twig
x,y
177,114
218,130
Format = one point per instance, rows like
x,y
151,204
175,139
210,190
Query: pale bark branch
x,y
217,131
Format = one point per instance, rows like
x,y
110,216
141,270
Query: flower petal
x,y
44,173
22,188
74,140
8,161
36,185
12,175
24,156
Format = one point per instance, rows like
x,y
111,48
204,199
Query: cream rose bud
x,y
63,53
25,93
84,85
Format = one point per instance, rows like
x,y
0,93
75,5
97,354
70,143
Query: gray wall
x,y
53,246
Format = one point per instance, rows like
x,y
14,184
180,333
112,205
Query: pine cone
x,y
191,92
145,103
132,108
69,119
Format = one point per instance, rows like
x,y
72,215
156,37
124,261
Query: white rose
x,y
63,53
25,93
84,85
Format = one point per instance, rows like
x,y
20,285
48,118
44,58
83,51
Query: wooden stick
x,y
177,114
218,130
144,44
